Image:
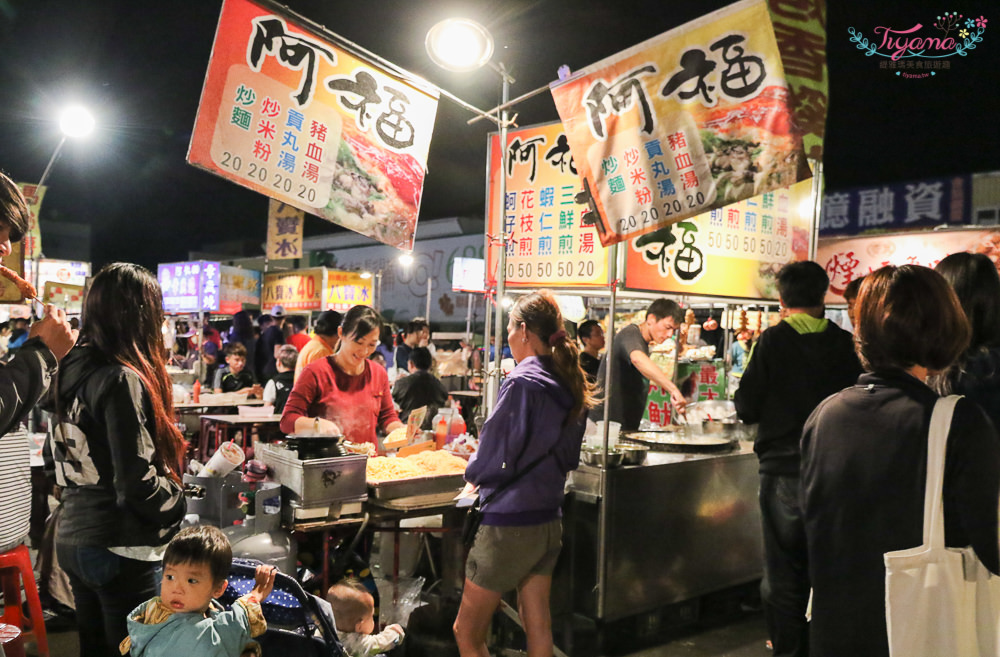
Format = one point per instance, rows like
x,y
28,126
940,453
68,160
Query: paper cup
x,y
226,458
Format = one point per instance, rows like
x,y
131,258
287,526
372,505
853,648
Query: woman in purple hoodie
x,y
540,416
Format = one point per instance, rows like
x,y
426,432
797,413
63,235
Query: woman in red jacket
x,y
345,393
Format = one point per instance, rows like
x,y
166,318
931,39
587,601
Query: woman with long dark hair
x,y
538,421
346,393
976,373
117,455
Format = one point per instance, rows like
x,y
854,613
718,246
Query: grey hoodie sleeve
x,y
23,379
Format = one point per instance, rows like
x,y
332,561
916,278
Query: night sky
x,y
140,67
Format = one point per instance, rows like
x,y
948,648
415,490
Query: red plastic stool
x,y
15,566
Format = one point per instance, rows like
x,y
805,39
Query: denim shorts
x,y
502,557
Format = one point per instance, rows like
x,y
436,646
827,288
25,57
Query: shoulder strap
x,y
517,476
937,442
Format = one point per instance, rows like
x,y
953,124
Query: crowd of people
x,y
842,419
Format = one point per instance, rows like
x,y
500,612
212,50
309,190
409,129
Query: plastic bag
x,y
407,599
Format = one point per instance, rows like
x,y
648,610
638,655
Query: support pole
x,y
491,392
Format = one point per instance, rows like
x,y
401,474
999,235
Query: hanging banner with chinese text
x,y
300,289
345,289
284,231
290,113
33,194
694,119
852,257
546,244
897,206
735,251
800,30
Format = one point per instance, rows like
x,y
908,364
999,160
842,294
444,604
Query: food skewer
x,y
26,289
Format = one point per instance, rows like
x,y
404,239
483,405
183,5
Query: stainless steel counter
x,y
672,529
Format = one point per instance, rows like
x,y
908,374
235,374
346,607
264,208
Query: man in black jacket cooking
x,y
794,366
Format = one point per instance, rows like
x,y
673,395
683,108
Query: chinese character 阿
x,y
518,152
295,52
619,95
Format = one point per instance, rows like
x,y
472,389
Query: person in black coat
x,y
864,460
794,366
420,388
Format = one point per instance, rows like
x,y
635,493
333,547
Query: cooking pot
x,y
313,446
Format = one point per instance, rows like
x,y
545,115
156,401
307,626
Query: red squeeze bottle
x,y
196,392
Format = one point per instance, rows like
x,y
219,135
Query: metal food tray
x,y
414,486
669,441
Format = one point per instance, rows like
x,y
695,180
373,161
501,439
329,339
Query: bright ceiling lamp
x,y
459,44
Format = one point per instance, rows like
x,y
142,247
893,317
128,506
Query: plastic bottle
x,y
457,427
196,392
441,423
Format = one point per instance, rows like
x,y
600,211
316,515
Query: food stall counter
x,y
677,527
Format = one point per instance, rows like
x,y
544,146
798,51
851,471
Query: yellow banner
x,y
546,243
345,289
284,231
734,251
301,289
694,119
33,194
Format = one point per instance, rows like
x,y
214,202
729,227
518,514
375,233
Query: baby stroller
x,y
296,625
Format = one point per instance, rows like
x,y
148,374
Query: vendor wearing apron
x,y
345,393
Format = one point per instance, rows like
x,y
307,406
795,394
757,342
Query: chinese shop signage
x,y
345,289
694,119
238,287
899,206
287,112
301,289
66,296
546,242
735,251
284,231
848,258
189,286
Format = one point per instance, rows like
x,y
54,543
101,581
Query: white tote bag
x,y
940,602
